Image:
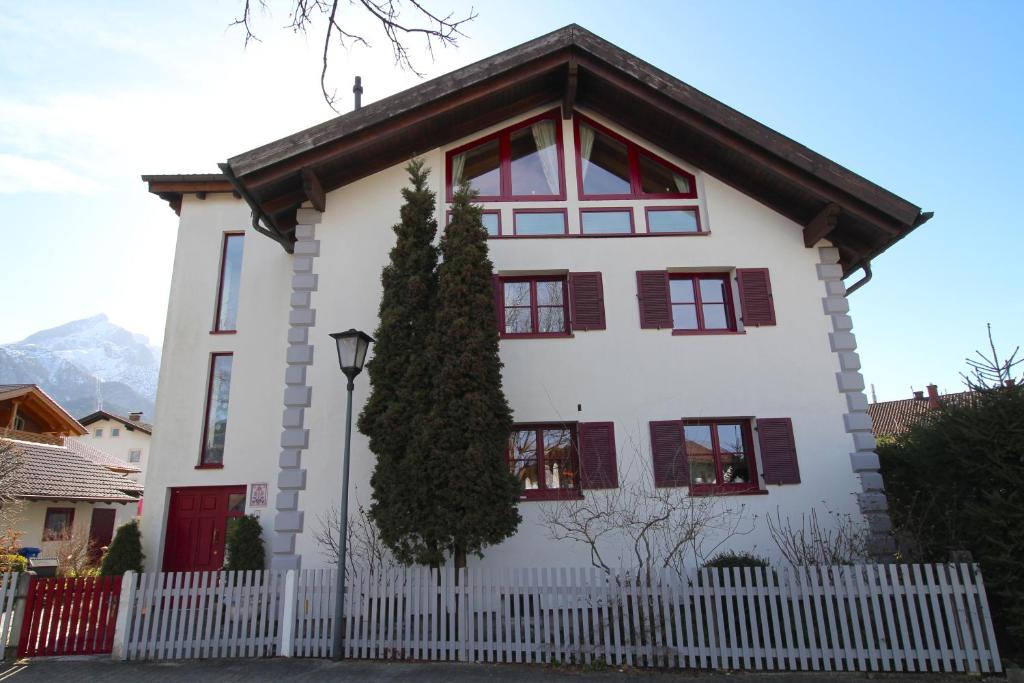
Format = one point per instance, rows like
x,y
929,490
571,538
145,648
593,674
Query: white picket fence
x,y
859,618
8,605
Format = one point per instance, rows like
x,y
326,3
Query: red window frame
x,y
633,152
48,534
485,212
534,312
730,308
220,282
648,210
752,486
203,464
516,213
608,209
542,492
504,137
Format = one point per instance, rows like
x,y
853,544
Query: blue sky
x,y
925,99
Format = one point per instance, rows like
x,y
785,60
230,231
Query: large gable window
x,y
611,167
522,162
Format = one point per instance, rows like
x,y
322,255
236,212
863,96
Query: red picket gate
x,y
69,616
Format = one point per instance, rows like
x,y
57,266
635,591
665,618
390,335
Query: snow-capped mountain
x,y
86,365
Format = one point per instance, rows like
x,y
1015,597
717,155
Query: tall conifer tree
x,y
400,380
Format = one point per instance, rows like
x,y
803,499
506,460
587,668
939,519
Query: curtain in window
x,y
547,149
458,167
682,184
586,146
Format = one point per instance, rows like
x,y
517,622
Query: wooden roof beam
x,y
571,85
822,224
313,189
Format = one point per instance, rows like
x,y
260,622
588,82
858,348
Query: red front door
x,y
196,522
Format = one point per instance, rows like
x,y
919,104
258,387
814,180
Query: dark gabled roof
x,y
577,68
144,427
58,473
890,418
59,419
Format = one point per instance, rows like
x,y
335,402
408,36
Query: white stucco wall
x,y
119,446
623,374
31,518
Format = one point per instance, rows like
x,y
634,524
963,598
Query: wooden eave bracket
x,y
571,85
822,225
313,189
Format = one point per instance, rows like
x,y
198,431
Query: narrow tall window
x,y
218,389
230,280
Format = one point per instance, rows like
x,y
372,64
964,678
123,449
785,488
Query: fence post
x,y
287,627
20,603
125,606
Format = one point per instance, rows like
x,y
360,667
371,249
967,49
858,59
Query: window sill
x,y
701,492
550,496
210,466
223,331
537,335
702,333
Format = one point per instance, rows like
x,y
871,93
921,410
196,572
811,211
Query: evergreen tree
x,y
466,432
125,551
244,544
400,378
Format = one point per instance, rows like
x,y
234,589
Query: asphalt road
x,y
103,670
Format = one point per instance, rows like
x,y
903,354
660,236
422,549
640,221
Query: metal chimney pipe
x,y
357,89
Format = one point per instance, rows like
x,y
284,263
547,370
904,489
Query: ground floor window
x,y
720,455
58,523
543,458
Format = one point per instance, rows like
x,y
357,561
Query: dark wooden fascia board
x,y
571,86
313,190
822,225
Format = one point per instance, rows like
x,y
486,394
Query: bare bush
x,y
364,549
76,553
841,540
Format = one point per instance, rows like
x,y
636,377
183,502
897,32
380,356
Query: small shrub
x,y
244,544
13,563
125,551
725,560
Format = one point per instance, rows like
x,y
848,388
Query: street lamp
x,y
352,346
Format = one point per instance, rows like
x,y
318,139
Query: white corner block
x,y
298,335
300,354
850,381
287,500
301,299
304,282
842,323
307,248
293,417
864,441
302,317
872,502
864,462
871,481
289,458
291,480
828,255
849,360
298,397
286,562
288,520
282,543
856,402
295,374
830,272
842,341
857,422
295,438
879,523
307,218
835,304
302,264
835,288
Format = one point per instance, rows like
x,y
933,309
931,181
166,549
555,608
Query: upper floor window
x,y
134,455
611,167
534,305
216,422
115,432
98,433
543,458
701,302
522,162
226,319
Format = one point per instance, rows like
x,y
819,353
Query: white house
x,y
671,300
125,438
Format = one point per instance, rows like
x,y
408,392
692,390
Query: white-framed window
x,y
98,433
115,432
134,455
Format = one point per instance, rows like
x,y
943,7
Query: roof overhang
x,y
576,68
32,397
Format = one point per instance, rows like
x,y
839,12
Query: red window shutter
x,y
756,305
652,292
778,451
598,469
586,294
671,467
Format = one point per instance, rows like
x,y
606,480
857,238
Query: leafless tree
x,y
365,551
419,22
76,552
988,372
842,540
10,505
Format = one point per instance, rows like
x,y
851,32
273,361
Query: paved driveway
x,y
103,670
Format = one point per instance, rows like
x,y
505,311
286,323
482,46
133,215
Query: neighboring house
x,y
892,418
690,328
125,438
64,485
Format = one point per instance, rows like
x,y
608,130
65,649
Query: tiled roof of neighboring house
x,y
126,421
889,418
44,402
101,458
59,473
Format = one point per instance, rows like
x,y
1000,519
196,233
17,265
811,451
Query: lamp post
x,y
352,346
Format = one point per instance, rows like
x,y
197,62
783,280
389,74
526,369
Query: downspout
x,y
861,282
258,214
